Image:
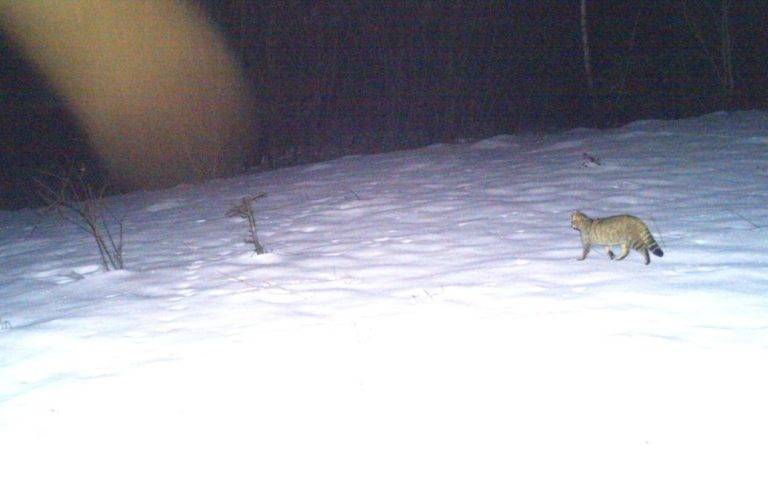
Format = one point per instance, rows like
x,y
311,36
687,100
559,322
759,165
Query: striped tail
x,y
652,245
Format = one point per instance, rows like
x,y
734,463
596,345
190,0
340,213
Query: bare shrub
x,y
75,200
245,210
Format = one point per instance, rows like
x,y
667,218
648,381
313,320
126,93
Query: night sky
x,y
332,78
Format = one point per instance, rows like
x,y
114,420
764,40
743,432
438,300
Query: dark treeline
x,y
352,75
340,77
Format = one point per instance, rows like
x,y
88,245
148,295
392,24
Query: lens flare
x,y
151,81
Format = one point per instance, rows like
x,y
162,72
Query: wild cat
x,y
624,230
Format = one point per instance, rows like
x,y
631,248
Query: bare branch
x,y
245,210
75,200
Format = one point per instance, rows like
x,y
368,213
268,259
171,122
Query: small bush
x,y
245,210
75,200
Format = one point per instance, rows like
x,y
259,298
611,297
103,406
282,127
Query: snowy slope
x,y
419,314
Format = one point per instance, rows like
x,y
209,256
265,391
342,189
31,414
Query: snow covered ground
x,y
419,315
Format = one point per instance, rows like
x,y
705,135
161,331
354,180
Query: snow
x,y
419,314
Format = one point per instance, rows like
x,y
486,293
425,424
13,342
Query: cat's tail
x,y
650,243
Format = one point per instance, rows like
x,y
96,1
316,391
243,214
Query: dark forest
x,y
332,78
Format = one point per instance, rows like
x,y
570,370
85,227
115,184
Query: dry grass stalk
x,y
245,210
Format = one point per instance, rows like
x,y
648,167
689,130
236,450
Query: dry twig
x,y
245,210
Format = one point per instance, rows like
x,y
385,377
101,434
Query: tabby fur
x,y
626,231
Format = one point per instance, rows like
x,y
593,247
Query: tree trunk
x,y
727,59
585,46
592,106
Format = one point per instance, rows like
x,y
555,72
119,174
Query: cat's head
x,y
578,220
